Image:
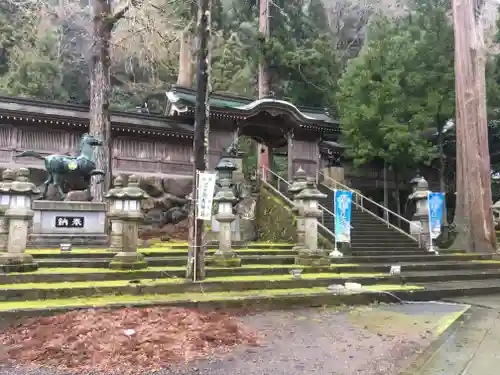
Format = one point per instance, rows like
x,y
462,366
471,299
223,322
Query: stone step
x,y
395,259
389,252
268,259
100,274
148,253
384,238
272,298
29,292
253,299
160,261
385,242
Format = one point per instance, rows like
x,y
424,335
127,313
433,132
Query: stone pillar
x,y
299,183
7,179
225,256
125,204
114,215
311,255
18,214
420,196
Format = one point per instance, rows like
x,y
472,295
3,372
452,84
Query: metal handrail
x,y
363,198
321,207
289,202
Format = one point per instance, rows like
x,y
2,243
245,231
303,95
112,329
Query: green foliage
x,y
400,89
29,63
274,221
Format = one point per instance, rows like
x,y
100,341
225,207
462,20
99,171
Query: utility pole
x,y
473,214
264,81
196,261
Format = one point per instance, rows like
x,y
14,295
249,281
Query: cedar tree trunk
x,y
473,215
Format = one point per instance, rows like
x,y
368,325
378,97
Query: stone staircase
x,y
370,235
268,277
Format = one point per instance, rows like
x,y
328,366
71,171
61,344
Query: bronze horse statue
x,y
60,166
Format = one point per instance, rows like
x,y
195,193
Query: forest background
x,y
384,68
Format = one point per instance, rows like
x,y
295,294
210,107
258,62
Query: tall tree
x,y
473,214
196,262
103,22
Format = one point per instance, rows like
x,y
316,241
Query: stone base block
x,y
319,259
128,261
223,260
81,240
18,262
299,248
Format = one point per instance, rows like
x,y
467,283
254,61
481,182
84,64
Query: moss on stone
x,y
305,276
130,300
273,219
89,284
128,266
221,262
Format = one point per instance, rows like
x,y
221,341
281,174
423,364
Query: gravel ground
x,y
379,340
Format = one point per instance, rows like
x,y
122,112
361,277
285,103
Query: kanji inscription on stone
x,y
69,222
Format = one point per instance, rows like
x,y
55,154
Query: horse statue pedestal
x,y
82,224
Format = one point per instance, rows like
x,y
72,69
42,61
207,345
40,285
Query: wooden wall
x,y
166,155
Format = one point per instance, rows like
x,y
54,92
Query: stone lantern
x,y
309,210
125,211
19,214
299,183
8,176
420,220
115,209
225,256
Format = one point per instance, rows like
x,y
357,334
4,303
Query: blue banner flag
x,y
343,204
436,203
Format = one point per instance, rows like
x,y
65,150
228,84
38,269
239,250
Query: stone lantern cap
x,y
20,186
415,180
8,176
117,188
311,192
299,181
422,184
225,195
225,164
131,192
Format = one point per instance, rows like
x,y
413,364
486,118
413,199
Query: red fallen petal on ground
x,y
96,340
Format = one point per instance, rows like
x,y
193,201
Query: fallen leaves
x,y
128,341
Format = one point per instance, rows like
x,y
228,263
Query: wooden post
x,y
264,81
473,215
196,261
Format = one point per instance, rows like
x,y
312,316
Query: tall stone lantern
x,y
8,176
225,256
420,196
18,214
114,215
309,210
299,183
125,209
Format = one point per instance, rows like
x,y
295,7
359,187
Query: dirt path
x,y
378,340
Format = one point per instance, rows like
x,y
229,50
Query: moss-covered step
x,y
394,251
160,261
34,291
411,258
101,274
47,275
250,245
254,299
149,252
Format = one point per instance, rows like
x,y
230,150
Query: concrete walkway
x,y
473,348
